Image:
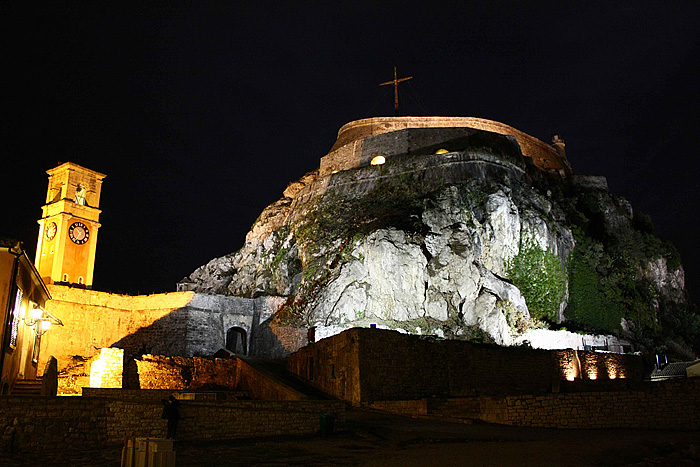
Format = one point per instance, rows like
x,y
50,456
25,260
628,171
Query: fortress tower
x,y
65,251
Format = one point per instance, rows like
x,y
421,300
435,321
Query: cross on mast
x,y
395,82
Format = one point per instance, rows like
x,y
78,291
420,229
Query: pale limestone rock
x,y
489,318
500,233
666,281
454,264
505,291
386,283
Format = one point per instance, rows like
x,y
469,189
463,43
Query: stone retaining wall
x,y
652,405
366,365
71,422
173,324
180,373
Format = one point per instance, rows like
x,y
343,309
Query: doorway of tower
x,y
236,340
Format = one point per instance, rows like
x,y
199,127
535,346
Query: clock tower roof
x,y
74,166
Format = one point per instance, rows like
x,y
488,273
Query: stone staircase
x,y
276,370
27,387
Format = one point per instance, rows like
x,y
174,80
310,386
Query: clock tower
x,y
65,252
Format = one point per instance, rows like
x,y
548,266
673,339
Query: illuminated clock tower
x,y
65,252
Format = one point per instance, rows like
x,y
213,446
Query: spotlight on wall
x,y
378,160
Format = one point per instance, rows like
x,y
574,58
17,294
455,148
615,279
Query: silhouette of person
x,y
171,411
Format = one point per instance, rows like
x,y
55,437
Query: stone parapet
x,y
347,150
57,423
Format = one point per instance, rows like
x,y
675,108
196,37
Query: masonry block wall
x,y
181,373
654,405
366,365
347,149
54,423
274,341
107,370
172,324
332,365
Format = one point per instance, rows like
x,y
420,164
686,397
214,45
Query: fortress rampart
x,y
347,151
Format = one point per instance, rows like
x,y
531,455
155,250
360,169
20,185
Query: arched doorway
x,y
236,340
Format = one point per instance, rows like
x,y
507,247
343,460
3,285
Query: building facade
x,y
23,299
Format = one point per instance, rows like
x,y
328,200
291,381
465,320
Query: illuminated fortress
x,y
350,149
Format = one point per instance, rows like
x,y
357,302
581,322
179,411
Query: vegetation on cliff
x,y
484,256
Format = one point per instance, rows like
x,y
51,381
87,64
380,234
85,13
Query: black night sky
x,y
201,115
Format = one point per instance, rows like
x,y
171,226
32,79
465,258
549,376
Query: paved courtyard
x,y
375,439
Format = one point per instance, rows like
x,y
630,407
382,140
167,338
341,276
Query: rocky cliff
x,y
459,235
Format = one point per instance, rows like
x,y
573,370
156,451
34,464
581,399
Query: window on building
x,y
16,317
37,347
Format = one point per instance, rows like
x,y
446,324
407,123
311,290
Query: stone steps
x,y
27,387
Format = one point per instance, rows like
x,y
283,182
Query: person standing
x,y
171,411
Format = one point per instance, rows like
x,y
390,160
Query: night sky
x,y
200,116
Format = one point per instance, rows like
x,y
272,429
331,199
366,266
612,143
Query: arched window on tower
x,y
236,340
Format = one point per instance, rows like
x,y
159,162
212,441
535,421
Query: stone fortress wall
x,y
455,380
348,149
363,365
178,323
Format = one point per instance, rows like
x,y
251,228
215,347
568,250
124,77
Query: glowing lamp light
x,y
441,151
378,160
45,325
37,314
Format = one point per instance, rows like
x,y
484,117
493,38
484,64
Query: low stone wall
x,y
181,373
655,405
58,423
171,374
160,394
649,405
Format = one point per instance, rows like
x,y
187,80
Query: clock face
x,y
51,231
78,233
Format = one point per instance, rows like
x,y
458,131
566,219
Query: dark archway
x,y
236,340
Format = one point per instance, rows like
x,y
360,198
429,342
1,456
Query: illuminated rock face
x,y
476,243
